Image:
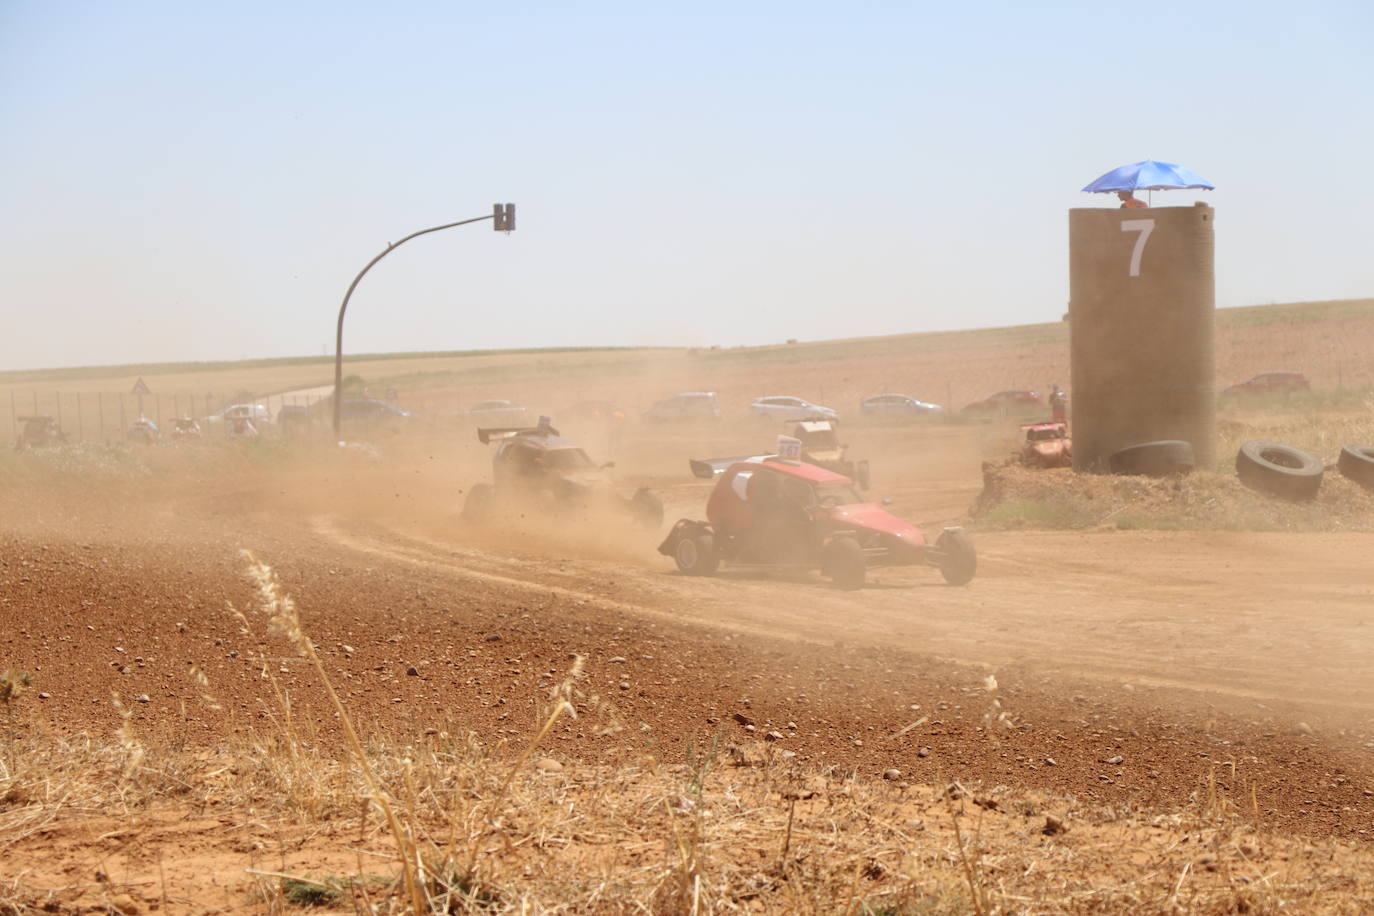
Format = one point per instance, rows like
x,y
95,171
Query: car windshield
x,y
567,459
1040,434
821,439
838,493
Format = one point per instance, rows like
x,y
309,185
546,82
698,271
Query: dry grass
x,y
311,814
652,837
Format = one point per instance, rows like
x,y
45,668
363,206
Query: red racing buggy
x,y
1047,445
767,512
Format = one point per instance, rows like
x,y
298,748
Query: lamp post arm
x,y
338,338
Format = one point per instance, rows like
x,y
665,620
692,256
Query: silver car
x,y
689,405
785,409
898,407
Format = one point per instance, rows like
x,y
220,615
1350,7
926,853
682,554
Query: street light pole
x,y
503,220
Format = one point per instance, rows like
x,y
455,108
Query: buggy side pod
x,y
685,527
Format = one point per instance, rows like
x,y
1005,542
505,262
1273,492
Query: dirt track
x,y
1243,656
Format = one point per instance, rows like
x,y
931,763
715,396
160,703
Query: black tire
x,y
1357,463
960,561
1165,458
843,561
477,507
695,554
647,509
1278,470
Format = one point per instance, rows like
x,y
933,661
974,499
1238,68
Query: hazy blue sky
x,y
201,181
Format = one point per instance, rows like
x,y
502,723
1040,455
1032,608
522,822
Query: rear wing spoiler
x,y
498,433
830,422
707,468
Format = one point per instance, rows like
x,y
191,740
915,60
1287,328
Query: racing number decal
x,y
1144,227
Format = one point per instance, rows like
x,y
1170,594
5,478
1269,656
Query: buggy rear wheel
x,y
477,507
695,554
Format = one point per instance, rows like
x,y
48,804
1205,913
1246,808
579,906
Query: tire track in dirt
x,y
1110,614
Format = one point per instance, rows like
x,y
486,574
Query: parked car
x,y
257,414
143,430
373,416
1047,445
595,412
496,413
767,512
1004,403
294,419
39,431
1269,383
789,408
898,408
689,405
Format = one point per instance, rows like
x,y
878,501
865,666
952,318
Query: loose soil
x,y
1153,668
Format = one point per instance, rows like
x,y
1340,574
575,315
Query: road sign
x,y
141,387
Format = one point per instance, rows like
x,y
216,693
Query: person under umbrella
x,y
1146,175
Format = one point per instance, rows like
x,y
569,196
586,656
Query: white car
x,y
899,407
689,405
257,413
497,414
784,409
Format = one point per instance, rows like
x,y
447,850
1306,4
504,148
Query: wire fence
x,y
105,417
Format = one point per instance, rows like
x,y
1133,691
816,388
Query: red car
x,y
1007,402
1269,383
767,512
1047,445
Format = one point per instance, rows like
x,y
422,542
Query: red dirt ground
x,y
1185,654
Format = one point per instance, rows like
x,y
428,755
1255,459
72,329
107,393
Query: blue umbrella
x,y
1149,175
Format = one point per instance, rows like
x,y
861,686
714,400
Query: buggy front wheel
x,y
958,561
843,561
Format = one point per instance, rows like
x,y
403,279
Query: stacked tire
x,y
1279,470
1165,458
1357,464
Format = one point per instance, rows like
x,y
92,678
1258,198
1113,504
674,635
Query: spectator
x,y
1059,405
1129,201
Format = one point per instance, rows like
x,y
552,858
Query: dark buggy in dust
x,y
821,446
536,469
39,431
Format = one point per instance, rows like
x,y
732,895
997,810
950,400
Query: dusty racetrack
x,y
1179,652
